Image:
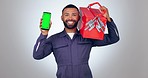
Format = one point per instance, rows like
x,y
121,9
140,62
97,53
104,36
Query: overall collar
x,y
64,33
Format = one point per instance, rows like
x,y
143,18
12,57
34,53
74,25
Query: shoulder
x,y
55,36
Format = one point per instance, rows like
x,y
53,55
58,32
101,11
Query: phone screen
x,y
46,20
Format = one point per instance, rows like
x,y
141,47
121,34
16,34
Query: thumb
x,y
41,22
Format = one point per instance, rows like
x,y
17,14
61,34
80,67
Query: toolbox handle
x,y
94,4
89,6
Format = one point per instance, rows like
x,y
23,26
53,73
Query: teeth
x,y
70,22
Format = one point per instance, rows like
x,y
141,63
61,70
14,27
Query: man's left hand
x,y
104,9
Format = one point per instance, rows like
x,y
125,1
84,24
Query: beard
x,y
70,26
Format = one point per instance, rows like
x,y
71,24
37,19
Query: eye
x,y
66,14
74,14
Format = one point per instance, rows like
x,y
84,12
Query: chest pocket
x,y
60,52
84,44
60,47
84,48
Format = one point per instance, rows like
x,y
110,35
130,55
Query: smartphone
x,y
46,20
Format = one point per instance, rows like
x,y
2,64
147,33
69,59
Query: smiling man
x,y
70,49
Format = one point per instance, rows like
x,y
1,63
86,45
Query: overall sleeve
x,y
110,38
42,47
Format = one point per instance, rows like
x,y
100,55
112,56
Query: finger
x,y
50,22
103,8
40,22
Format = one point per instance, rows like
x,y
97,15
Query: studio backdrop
x,y
19,29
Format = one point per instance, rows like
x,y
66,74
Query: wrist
x,y
44,32
43,36
108,19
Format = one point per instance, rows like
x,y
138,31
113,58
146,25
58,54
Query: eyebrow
x,y
68,13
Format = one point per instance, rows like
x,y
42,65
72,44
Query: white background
x,y
19,29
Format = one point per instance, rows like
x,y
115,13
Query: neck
x,y
70,30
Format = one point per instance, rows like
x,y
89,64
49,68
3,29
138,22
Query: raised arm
x,y
112,36
43,46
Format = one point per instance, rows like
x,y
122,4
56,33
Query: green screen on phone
x,y
46,20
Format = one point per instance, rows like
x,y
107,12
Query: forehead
x,y
70,10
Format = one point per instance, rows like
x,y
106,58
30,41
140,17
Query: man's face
x,y
70,17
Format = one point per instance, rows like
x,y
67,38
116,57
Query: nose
x,y
70,17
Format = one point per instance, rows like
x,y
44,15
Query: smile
x,y
70,22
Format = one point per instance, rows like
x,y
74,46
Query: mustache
x,y
70,27
71,20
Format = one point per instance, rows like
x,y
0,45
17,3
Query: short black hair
x,y
70,6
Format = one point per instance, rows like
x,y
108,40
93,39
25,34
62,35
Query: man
x,y
70,49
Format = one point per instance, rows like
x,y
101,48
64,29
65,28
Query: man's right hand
x,y
44,32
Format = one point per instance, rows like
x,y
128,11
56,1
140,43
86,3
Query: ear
x,y
61,17
79,17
